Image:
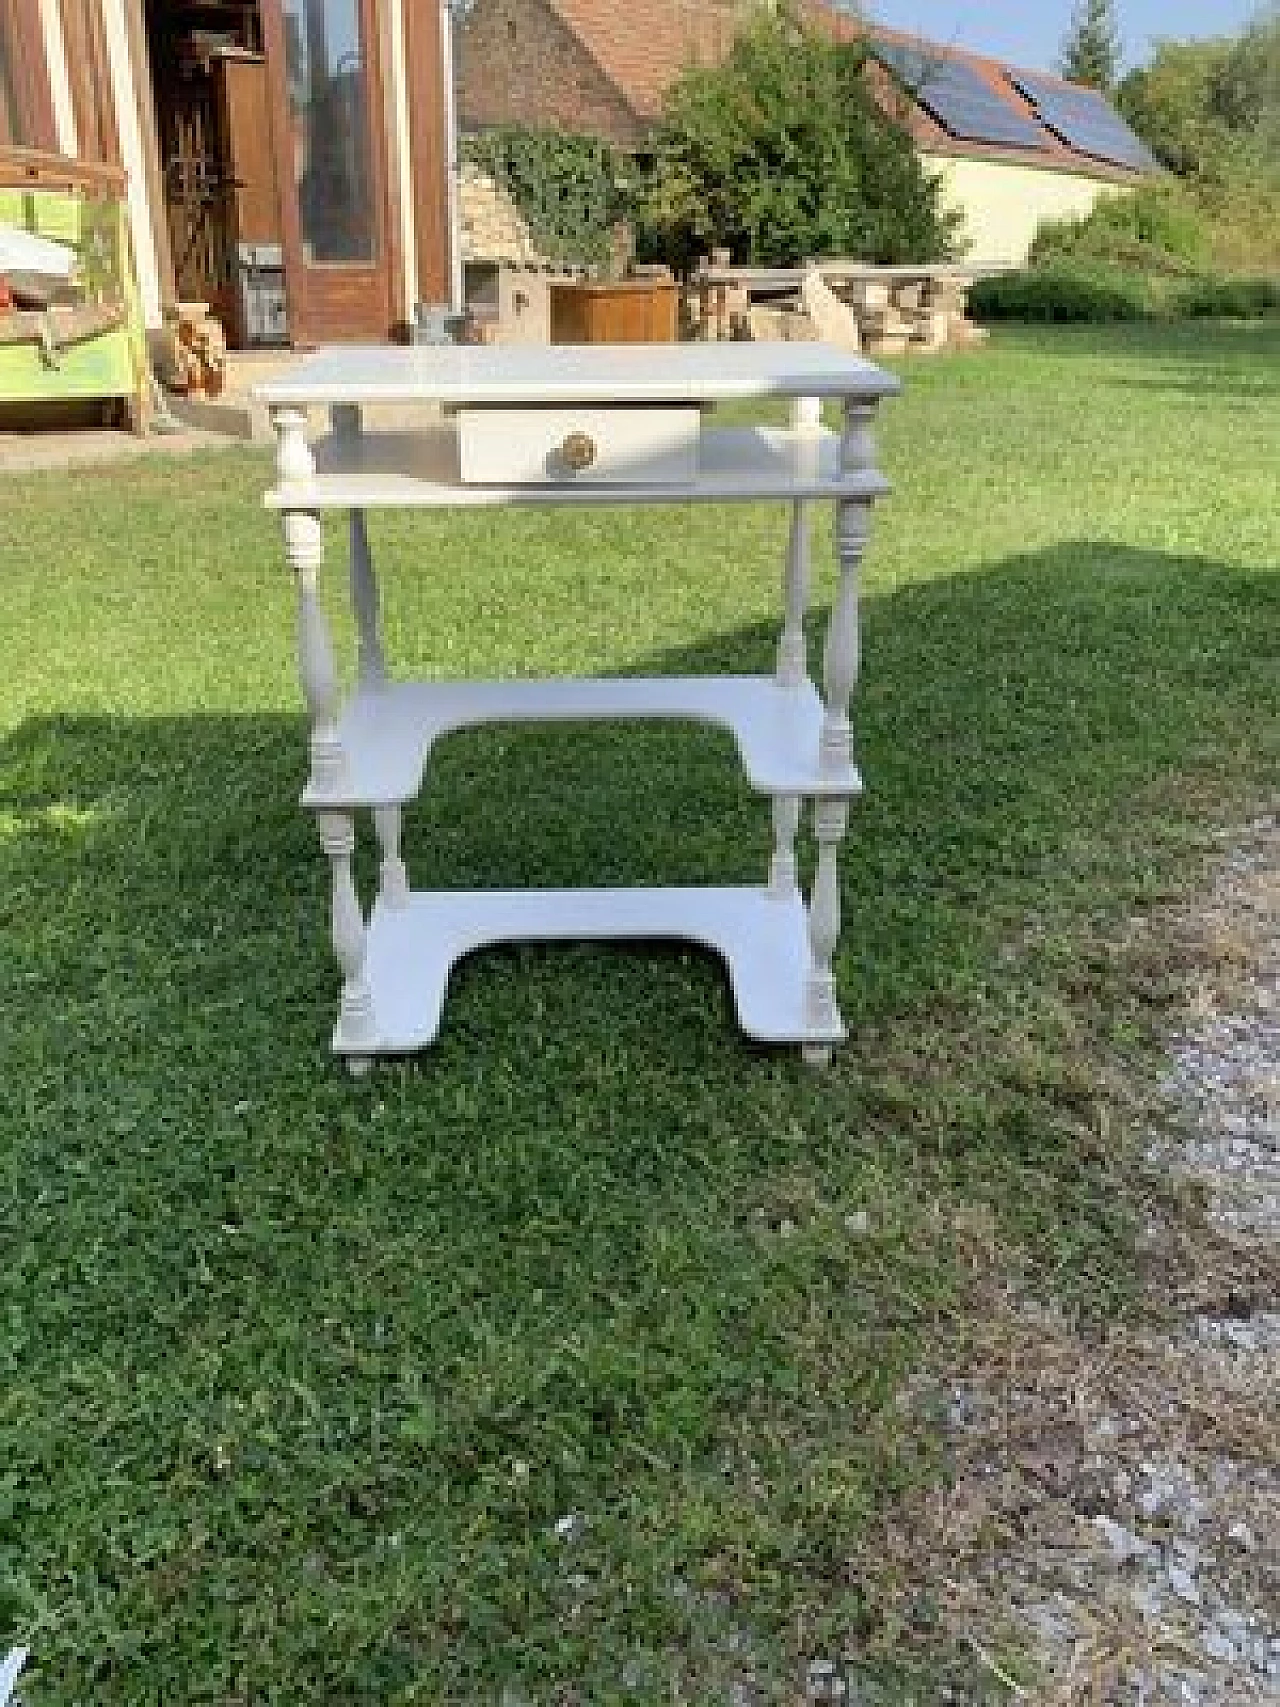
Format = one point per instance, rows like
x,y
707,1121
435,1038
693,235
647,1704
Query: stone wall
x,y
493,228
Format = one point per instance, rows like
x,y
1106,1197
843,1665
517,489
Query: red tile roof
x,y
643,46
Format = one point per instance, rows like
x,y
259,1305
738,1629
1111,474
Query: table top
x,y
570,373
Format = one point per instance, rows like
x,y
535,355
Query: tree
x,y
1171,103
1247,91
1211,109
781,152
1091,52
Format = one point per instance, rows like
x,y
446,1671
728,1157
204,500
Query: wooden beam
x,y
424,62
34,168
33,121
145,98
90,72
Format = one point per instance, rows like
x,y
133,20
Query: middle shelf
x,y
387,730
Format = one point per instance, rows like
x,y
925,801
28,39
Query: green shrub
x,y
1228,299
570,190
781,153
1069,291
1064,292
1244,221
1158,227
1211,108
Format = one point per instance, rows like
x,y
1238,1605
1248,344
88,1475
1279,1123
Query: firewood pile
x,y
193,353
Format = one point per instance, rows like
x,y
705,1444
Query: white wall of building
x,y
1004,204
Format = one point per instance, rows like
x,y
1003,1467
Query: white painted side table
x,y
621,424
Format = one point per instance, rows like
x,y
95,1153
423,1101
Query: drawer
x,y
645,445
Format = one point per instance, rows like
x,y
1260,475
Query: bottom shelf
x,y
762,938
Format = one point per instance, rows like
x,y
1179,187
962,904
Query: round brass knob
x,y
578,451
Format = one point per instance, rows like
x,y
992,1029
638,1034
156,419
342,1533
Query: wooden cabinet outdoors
x,y
634,311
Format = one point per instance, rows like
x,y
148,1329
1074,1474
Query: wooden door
x,y
250,162
329,128
249,172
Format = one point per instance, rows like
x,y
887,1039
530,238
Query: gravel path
x,y
1120,1503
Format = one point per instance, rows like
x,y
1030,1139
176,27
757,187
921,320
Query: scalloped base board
x,y
762,938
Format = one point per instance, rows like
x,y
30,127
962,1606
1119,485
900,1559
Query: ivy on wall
x,y
570,190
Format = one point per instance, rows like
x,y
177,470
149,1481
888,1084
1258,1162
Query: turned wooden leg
x,y
356,1019
393,885
792,671
304,551
782,866
793,663
372,669
792,667
840,654
840,673
831,819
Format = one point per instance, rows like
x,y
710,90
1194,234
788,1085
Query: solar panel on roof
x,y
1085,120
954,93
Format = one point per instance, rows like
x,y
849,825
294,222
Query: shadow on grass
x,y
351,1352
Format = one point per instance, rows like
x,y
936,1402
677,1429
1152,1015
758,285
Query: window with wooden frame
x,y
26,99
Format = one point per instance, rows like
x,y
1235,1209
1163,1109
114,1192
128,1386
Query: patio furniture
x,y
620,425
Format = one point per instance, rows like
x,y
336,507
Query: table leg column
x,y
793,664
831,819
840,673
371,665
356,1020
393,878
790,673
304,552
372,675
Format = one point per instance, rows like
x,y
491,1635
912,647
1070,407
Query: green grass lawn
x,y
567,1358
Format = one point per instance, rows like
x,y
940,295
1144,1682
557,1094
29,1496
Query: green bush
x,y
1211,108
1244,221
1061,291
1070,291
571,190
781,153
1157,228
1228,299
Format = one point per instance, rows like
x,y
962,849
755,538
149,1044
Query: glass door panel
x,y
330,110
329,127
